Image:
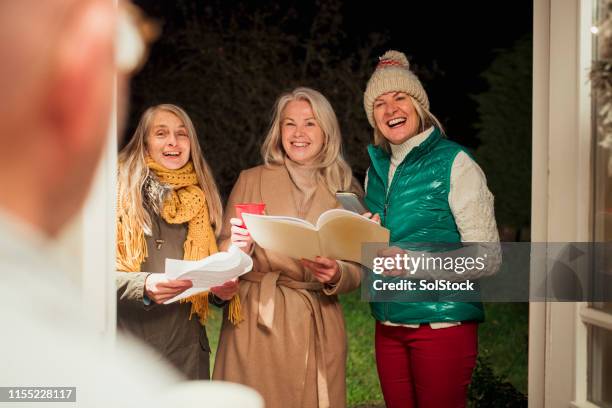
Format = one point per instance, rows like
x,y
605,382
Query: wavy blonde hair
x,y
133,171
333,170
426,120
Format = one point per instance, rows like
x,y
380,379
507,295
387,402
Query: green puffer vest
x,y
415,209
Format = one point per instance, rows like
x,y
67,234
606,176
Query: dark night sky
x,y
459,38
456,40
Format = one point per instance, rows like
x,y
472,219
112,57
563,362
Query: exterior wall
x,y
562,187
555,125
539,193
88,245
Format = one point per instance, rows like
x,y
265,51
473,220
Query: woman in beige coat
x,y
292,345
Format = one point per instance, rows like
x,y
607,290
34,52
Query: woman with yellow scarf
x,y
168,207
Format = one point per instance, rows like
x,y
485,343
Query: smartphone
x,y
351,202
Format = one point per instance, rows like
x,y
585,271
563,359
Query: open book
x,y
211,271
339,234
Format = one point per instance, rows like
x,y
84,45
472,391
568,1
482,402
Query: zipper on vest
x,y
387,312
396,176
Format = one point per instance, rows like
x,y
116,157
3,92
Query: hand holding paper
x,y
227,290
159,289
213,271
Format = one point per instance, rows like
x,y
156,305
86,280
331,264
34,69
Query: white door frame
x,y
98,231
561,191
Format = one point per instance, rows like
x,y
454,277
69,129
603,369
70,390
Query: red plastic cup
x,y
249,208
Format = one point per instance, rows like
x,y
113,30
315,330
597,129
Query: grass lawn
x,y
361,377
502,338
213,326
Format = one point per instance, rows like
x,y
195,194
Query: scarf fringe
x,y
235,311
200,307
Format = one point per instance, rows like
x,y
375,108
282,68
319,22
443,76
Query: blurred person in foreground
x,y
58,79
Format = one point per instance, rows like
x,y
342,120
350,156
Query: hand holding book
x,y
325,270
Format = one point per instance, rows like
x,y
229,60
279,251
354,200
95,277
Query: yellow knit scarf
x,y
185,203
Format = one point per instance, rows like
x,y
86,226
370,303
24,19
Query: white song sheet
x,y
211,271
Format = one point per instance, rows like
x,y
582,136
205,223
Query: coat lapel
x,y
276,192
322,201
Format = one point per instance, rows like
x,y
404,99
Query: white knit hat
x,y
392,74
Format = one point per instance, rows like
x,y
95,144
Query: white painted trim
x,y
598,384
539,196
581,353
539,162
583,404
98,240
596,318
561,178
584,188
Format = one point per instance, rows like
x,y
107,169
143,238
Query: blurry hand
x,y
374,217
240,236
159,289
325,270
227,290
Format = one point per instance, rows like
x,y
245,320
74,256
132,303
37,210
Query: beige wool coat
x,y
292,345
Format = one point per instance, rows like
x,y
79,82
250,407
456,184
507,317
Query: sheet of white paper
x,y
214,270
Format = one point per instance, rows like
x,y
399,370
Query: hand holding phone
x,y
351,202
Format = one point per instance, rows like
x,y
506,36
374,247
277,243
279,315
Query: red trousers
x,y
426,368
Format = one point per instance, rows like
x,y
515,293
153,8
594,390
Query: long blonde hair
x,y
133,171
332,168
426,120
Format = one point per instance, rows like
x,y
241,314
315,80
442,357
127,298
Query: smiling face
x,y
396,117
168,142
301,135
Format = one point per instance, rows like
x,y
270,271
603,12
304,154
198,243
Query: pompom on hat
x,y
392,74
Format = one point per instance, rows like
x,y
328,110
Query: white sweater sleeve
x,y
471,202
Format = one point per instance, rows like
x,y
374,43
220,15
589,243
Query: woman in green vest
x,y
426,189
